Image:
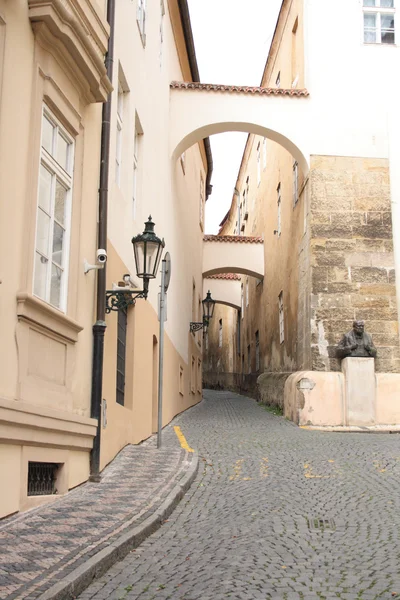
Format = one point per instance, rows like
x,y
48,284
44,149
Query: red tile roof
x,y
214,87
241,239
230,276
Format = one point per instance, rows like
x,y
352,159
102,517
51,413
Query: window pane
x,y
45,189
56,274
387,3
387,21
58,241
42,233
47,135
60,203
369,2
370,37
370,20
39,286
387,37
62,151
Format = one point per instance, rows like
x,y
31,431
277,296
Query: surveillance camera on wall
x,y
101,256
101,259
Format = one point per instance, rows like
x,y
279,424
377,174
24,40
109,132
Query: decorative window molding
x,y
202,201
379,21
278,231
258,164
75,33
141,20
137,150
295,183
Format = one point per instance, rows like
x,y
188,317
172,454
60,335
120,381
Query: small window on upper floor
x,y
141,19
278,80
379,26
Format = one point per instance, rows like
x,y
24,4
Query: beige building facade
x,y
53,84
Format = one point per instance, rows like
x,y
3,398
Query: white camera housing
x,y
101,256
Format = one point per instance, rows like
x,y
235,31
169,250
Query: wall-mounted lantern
x,y
147,250
208,311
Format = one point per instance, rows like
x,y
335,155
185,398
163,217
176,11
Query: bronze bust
x,y
356,342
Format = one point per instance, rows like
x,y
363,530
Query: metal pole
x,y
161,353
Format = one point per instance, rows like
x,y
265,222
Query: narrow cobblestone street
x,y
275,512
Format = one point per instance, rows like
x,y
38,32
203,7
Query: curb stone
x,y
81,577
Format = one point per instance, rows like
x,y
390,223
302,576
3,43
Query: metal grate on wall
x,y
42,478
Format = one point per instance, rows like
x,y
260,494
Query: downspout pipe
x,y
99,327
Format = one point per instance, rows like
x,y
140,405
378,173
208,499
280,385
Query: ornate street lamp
x,y
147,250
208,311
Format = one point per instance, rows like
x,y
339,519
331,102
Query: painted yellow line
x,y
182,439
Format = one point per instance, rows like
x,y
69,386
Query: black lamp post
x,y
147,249
208,311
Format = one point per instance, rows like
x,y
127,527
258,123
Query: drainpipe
x,y
100,326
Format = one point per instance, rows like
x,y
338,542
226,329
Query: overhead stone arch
x,y
233,254
199,110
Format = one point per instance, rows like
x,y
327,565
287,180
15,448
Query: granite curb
x,y
81,577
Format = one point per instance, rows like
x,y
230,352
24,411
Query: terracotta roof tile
x,y
230,276
240,239
214,87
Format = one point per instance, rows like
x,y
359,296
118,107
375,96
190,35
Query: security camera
x,y
101,256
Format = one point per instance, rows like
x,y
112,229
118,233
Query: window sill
x,y
30,308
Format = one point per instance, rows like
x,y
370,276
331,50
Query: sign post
x,y
165,278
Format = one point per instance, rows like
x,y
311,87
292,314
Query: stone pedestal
x,y
360,391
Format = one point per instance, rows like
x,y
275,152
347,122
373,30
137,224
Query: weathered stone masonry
x,y
351,252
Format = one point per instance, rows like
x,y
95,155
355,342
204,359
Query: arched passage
x,y
198,111
233,254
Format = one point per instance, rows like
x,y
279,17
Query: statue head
x,y
358,327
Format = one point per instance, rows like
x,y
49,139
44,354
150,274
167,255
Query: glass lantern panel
x,y
152,253
139,258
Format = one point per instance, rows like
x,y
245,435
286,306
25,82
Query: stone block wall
x,y
351,257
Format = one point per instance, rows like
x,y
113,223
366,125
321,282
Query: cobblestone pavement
x,y
40,547
275,512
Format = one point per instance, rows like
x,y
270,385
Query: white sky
x,y
232,40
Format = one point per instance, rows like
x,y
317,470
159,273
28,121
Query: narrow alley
x,y
276,511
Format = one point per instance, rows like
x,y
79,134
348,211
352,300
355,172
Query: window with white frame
x,y
120,118
53,223
295,183
141,19
279,204
259,163
137,139
257,351
220,334
201,207
264,153
379,18
281,318
162,11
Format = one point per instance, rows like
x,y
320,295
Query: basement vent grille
x,y
317,524
42,478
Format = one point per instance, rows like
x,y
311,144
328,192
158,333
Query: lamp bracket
x,y
195,326
121,299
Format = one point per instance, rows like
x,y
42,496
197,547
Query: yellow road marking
x,y
237,469
264,467
182,439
